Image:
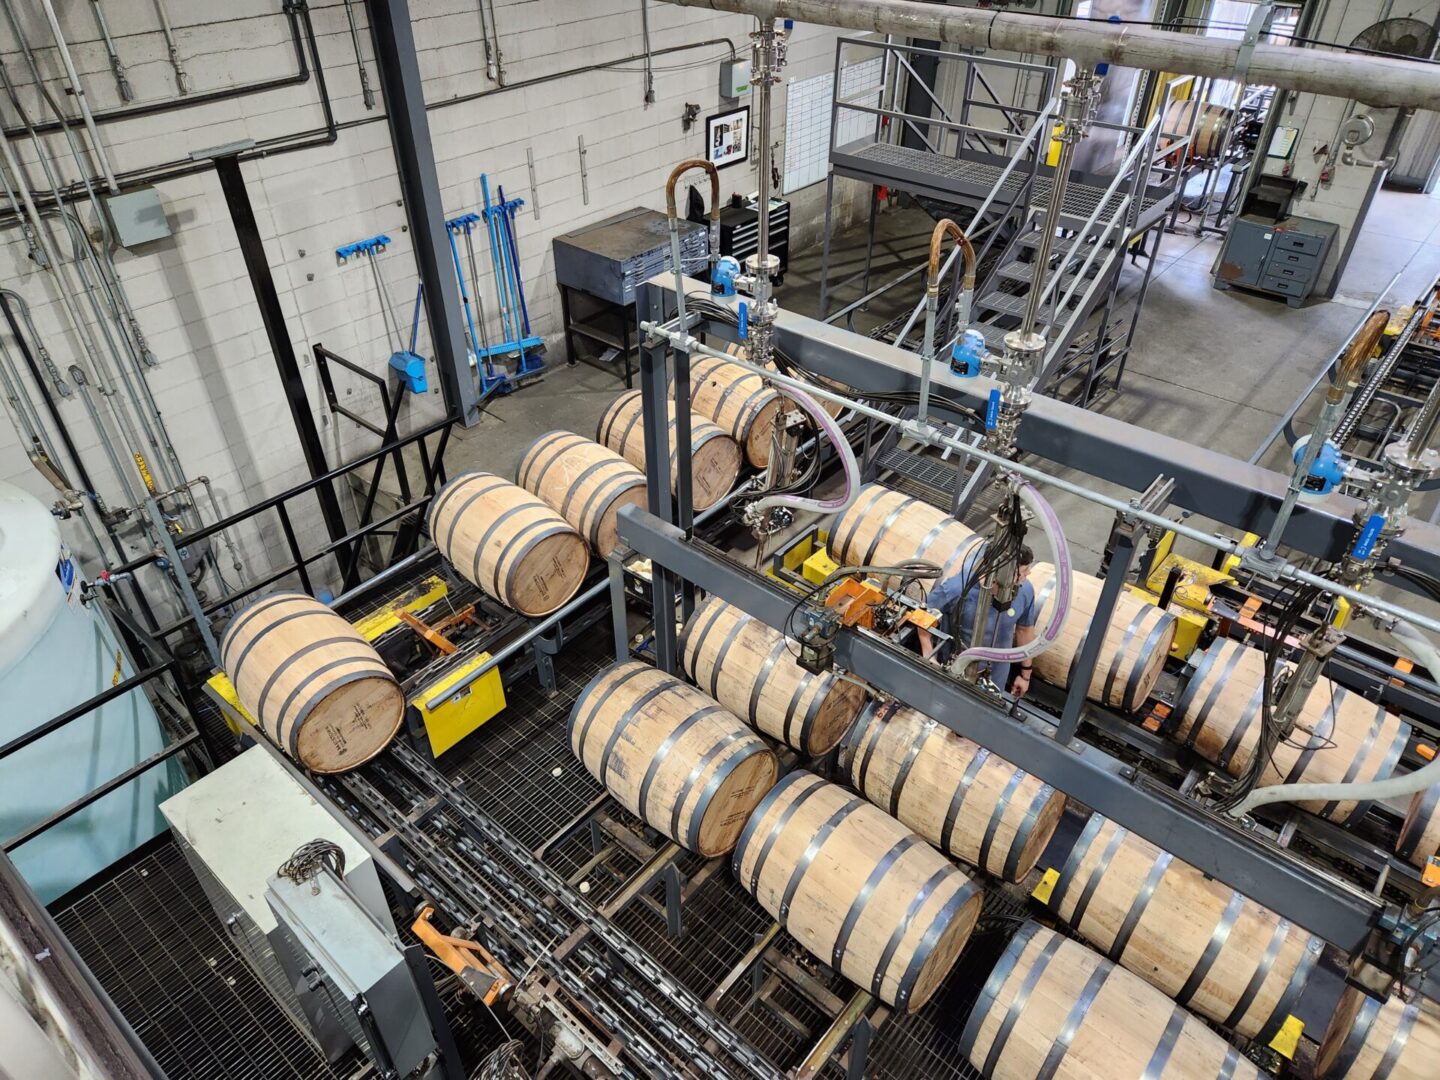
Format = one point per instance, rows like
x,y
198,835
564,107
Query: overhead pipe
x,y
1377,81
72,81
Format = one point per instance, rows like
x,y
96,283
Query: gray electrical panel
x,y
1282,257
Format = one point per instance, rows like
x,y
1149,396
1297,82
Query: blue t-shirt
x,y
999,625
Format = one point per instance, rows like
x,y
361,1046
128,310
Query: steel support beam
x,y
1270,875
394,44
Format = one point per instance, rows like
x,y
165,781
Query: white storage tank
x,y
55,654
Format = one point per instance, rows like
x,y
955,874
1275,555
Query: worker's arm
x,y
1025,631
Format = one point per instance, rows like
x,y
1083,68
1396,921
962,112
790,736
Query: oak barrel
x,y
1210,128
508,543
1367,1040
1196,939
834,408
1132,654
1053,1008
714,456
1339,736
749,668
1420,835
312,682
968,802
671,755
884,528
584,481
855,887
741,402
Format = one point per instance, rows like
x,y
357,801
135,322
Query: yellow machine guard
x,y
458,716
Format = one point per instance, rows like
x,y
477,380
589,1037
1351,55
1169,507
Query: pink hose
x,y
827,424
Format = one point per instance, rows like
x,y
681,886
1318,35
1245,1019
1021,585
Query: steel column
x,y
394,44
654,399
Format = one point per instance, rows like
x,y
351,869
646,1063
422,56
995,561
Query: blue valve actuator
x,y
744,320
1365,542
789,25
968,353
992,409
722,278
1326,471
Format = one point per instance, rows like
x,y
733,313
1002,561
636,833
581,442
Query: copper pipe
x,y
943,228
679,171
1352,363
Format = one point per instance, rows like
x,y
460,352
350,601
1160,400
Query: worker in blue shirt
x,y
1006,625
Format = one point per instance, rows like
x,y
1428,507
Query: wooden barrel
x,y
1420,835
671,755
584,481
1209,129
1053,1008
508,543
312,682
714,456
1370,1041
1201,942
749,668
738,400
968,802
1132,655
1339,736
884,527
855,887
834,408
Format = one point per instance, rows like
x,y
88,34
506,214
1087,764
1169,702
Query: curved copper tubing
x,y
679,171
1352,363
937,238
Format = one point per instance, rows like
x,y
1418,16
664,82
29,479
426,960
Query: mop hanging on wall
x,y
406,361
492,381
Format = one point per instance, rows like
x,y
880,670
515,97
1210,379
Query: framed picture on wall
x,y
727,137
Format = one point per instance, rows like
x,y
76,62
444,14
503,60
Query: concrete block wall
x,y
215,384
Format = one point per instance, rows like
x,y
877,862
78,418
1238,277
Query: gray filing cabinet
x,y
1282,257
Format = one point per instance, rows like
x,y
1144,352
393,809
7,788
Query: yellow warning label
x,y
1288,1037
1047,885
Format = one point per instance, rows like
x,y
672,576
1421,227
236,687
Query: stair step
x,y
1025,271
1005,303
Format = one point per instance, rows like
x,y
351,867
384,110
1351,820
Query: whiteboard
x,y
807,119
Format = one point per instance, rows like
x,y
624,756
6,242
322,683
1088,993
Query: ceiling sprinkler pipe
x,y
1379,81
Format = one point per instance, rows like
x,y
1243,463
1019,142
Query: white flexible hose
x,y
826,423
1055,533
1393,787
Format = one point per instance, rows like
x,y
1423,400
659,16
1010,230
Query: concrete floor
x,y
1214,368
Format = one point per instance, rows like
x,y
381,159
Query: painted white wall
x,y
216,383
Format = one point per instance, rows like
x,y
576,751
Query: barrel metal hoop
x,y
1228,1066
802,865
862,898
1218,937
1242,727
585,474
1192,687
1118,656
284,666
527,464
1093,881
1075,657
606,426
1161,1057
1152,641
931,938
663,750
548,529
634,673
880,713
447,491
500,519
748,412
890,519
634,419
719,406
737,744
999,976
1387,768
777,828
1072,863
1027,826
856,514
626,719
711,610
1358,1035
1061,1046
1398,1041
233,669
758,687
1317,741
1257,980
1231,663
316,699
741,618
812,711
957,801
1293,989
1359,759
1140,903
1414,829
519,557
601,497
244,617
1001,805
936,531
897,935
1019,1001
916,744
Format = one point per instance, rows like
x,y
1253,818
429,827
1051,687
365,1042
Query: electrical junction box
x,y
137,217
734,78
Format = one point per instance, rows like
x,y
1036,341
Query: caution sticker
x,y
1046,886
1288,1037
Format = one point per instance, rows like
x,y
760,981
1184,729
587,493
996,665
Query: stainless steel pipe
x,y
1379,81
